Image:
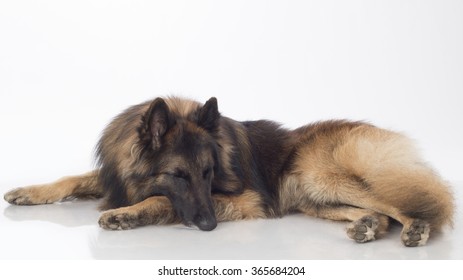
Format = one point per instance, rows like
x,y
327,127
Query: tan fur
x,y
395,180
337,170
227,148
158,210
83,186
125,151
123,142
153,210
378,227
181,107
238,207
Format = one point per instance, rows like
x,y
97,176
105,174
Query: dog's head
x,y
182,156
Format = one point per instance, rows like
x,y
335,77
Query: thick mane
x,y
118,151
121,134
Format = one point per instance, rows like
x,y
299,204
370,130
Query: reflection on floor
x,y
69,230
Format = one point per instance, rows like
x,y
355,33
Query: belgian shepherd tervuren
x,y
174,160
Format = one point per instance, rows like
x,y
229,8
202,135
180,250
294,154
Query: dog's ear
x,y
209,116
155,123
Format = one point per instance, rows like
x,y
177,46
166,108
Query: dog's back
x,y
338,170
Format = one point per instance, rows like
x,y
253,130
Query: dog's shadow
x,y
70,213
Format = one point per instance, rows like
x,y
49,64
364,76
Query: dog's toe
x,y
417,234
29,196
115,220
18,196
364,229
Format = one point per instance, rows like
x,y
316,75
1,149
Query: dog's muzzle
x,y
206,223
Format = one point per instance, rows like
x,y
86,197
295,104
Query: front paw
x,y
25,196
118,220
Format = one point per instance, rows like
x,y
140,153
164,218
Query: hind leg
x,y
82,186
415,232
367,225
368,228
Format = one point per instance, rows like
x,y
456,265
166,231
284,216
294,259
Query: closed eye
x,y
180,174
207,172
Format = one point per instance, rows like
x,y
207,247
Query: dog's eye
x,y
181,174
207,172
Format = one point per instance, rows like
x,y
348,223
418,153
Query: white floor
x,y
69,231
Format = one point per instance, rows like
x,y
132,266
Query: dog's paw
x,y
24,196
364,229
117,220
417,234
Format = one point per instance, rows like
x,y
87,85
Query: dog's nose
x,y
206,224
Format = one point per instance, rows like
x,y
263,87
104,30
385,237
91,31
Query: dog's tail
x,y
397,176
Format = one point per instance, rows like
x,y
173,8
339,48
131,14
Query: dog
x,y
174,160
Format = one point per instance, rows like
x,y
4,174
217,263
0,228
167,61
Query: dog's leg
x,y
158,210
82,186
367,225
153,210
415,231
245,206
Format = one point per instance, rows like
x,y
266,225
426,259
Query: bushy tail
x,y
398,176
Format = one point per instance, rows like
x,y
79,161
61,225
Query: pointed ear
x,y
156,122
209,115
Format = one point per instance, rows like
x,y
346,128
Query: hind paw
x,y
364,229
417,234
116,220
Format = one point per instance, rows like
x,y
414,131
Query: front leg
x,y
153,210
245,206
81,186
158,210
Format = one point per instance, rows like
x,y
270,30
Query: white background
x,y
68,67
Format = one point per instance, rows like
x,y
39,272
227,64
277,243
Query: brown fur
x,y
336,170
